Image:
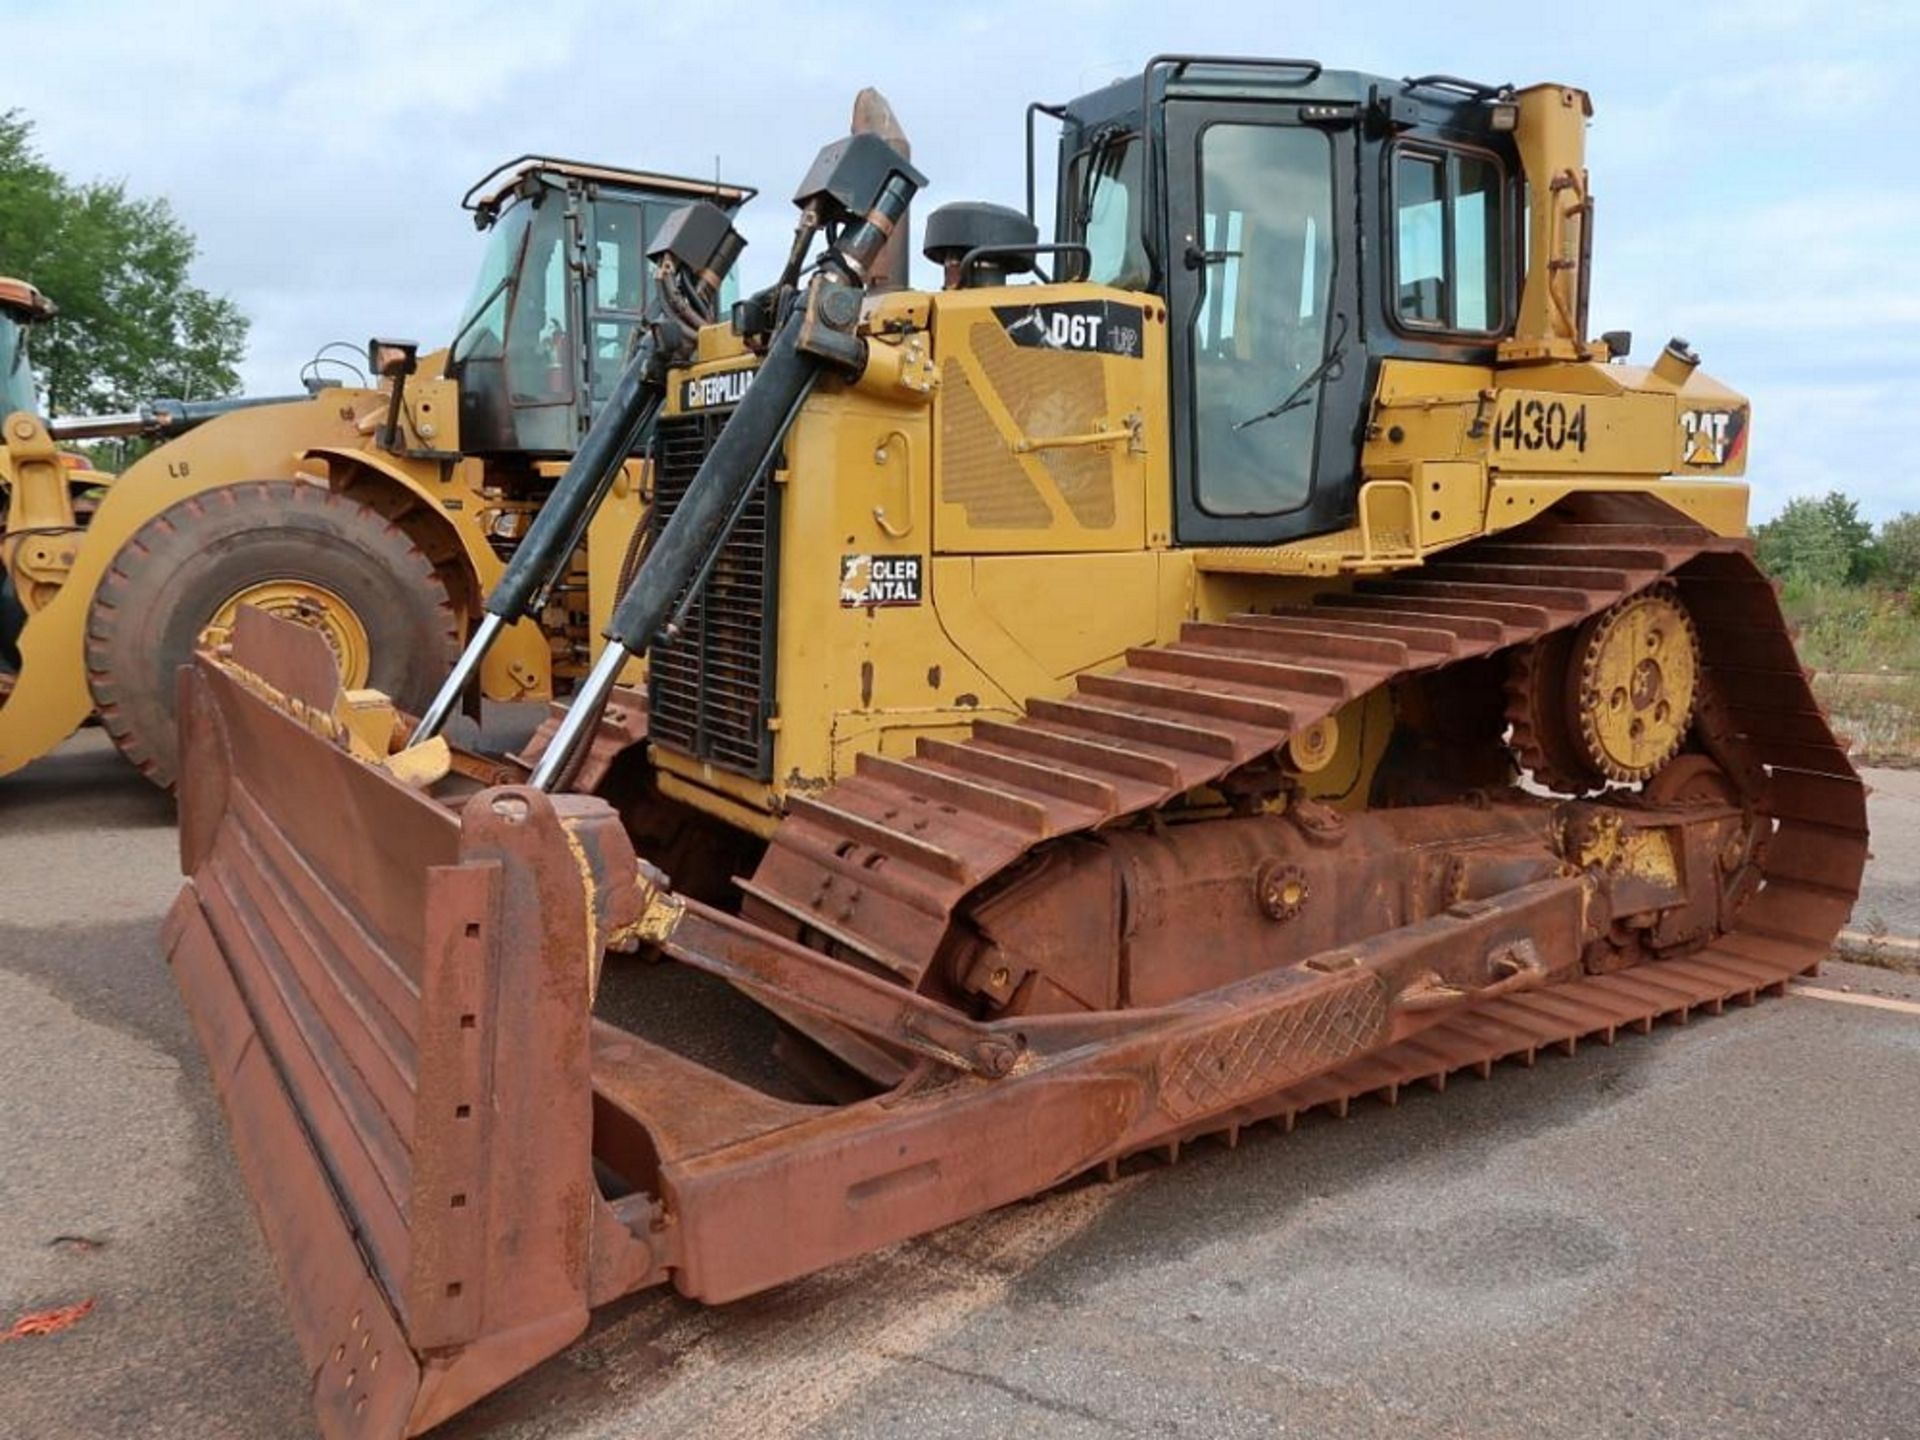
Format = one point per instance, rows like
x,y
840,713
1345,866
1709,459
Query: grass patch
x,y
1880,714
1881,952
1863,643
1856,629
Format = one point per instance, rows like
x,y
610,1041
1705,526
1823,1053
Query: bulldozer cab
x,y
563,286
20,307
1301,226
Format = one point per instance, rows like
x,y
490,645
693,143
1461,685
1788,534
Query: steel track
x,y
878,865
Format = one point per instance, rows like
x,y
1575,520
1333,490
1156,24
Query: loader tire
x,y
331,560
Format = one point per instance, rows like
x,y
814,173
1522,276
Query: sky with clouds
x,y
1748,158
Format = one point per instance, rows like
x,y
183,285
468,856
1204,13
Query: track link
x,y
1736,970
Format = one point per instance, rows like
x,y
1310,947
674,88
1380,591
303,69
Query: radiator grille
x,y
1045,393
710,690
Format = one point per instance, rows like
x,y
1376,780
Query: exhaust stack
x,y
1551,132
873,115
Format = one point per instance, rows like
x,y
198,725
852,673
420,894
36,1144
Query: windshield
x,y
1260,342
483,323
1104,191
16,375
540,325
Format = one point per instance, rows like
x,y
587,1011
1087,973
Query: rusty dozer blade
x,y
412,1115
450,1161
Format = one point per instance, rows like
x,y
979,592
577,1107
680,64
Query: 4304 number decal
x,y
1542,425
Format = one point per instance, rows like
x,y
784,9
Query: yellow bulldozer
x,y
378,513
1251,651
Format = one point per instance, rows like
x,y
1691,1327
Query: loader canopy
x,y
547,329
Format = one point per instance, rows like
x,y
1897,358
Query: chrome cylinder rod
x,y
582,716
464,669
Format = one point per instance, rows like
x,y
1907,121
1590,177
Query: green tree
x,y
1899,547
1856,536
1818,542
131,326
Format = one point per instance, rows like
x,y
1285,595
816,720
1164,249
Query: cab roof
x,y
1438,99
25,301
491,191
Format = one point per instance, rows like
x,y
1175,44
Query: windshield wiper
x,y
1105,153
1300,393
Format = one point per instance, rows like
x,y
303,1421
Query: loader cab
x,y
1301,226
21,306
559,296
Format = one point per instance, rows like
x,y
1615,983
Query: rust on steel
x,y
454,1160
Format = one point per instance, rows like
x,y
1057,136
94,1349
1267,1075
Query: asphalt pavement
x,y
1713,1230
1890,899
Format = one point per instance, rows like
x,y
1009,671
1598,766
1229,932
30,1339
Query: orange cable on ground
x,y
48,1322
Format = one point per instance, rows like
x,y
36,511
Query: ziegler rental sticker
x,y
880,580
704,392
1103,327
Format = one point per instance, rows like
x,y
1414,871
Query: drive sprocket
x,y
1635,669
1610,701
1537,710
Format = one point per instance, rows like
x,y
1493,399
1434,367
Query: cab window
x,y
1449,251
621,229
1260,341
1105,194
623,282
483,323
539,346
16,375
620,233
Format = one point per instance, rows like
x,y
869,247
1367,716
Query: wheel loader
x,y
1252,651
377,512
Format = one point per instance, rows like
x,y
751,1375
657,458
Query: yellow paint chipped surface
x,y
590,895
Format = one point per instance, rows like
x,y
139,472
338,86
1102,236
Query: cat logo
x,y
1711,437
879,580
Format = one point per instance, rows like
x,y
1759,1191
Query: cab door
x,y
1268,361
